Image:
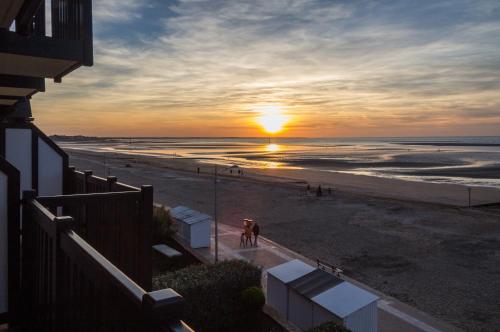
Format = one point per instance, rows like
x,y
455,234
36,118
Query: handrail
x,y
72,243
58,200
109,184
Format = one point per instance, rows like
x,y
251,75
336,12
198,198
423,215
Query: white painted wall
x,y
50,170
277,295
18,153
3,244
300,310
320,316
364,319
200,234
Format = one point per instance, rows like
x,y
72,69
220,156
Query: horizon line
x,y
275,137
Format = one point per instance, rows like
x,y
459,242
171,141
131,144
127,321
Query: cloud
x,y
358,64
105,11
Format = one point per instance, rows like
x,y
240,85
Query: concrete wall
x,y
3,244
50,170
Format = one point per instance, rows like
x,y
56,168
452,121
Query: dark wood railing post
x,y
13,239
86,32
87,175
62,224
28,258
161,307
146,230
70,183
111,181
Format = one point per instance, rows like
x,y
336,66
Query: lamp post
x,y
215,218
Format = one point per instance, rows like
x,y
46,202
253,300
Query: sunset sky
x,y
331,68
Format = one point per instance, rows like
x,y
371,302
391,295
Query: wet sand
x,y
409,240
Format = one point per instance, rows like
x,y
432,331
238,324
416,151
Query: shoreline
x,y
417,191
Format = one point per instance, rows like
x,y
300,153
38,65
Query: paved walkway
x,y
394,316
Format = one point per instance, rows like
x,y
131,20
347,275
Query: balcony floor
x,y
23,65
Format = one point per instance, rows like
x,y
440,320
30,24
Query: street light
x,y
215,218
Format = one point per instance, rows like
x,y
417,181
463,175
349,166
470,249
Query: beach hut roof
x,y
290,271
188,216
344,299
314,283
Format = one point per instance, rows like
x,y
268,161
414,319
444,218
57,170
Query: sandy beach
x,y
414,241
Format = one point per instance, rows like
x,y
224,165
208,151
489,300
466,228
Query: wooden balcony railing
x,y
72,20
117,224
67,285
86,183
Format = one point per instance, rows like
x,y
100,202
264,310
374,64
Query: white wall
x,y
200,234
277,295
50,170
320,316
3,243
364,319
18,153
300,310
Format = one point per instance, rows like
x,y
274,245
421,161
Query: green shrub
x,y
163,228
213,293
329,327
253,299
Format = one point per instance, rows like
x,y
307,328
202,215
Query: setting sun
x,y
272,119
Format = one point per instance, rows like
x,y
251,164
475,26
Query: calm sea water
x,y
471,161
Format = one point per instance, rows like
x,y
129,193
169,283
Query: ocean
x,y
472,161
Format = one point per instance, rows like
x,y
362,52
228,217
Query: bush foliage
x,y
253,299
329,327
213,294
163,228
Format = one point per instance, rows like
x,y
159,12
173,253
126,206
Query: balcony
x,y
86,261
28,54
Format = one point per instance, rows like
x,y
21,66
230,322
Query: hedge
x,y
163,228
213,294
329,327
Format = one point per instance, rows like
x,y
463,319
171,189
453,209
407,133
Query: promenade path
x,y
394,316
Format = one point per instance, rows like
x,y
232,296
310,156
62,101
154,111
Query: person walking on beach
x,y
319,192
256,231
248,235
242,240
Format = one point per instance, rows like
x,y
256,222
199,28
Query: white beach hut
x,y
193,226
354,306
278,278
309,297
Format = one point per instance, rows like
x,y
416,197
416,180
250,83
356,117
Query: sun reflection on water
x,y
273,148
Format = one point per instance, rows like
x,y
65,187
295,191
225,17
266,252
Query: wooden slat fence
x,y
69,286
117,224
86,183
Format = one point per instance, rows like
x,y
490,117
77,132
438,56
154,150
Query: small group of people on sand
x,y
249,228
319,190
